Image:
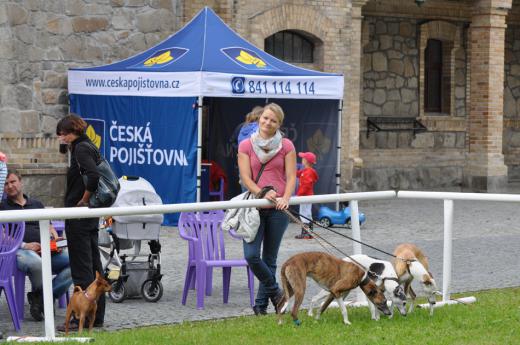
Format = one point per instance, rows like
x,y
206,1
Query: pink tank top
x,y
274,171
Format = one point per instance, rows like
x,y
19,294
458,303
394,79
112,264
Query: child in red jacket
x,y
308,177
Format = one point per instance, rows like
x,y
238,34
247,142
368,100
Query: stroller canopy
x,y
136,191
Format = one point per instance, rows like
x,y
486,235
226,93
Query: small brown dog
x,y
84,303
332,274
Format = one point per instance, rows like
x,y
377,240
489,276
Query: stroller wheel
x,y
152,290
117,295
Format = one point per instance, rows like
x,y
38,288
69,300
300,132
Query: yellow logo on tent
x,y
159,60
93,136
249,59
319,143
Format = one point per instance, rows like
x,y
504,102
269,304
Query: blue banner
x,y
151,137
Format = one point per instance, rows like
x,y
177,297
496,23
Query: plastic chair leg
x,y
62,301
251,284
209,281
226,278
188,282
19,292
11,303
201,285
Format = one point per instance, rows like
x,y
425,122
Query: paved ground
x,y
486,243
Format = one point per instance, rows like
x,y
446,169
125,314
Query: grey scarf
x,y
266,149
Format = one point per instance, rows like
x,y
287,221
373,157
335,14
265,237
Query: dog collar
x,y
365,280
90,298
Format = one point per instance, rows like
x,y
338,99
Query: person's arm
x,y
87,161
290,177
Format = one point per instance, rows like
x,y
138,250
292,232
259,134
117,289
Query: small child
x,y
308,177
3,172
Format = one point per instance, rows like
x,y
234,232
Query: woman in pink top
x,y
267,146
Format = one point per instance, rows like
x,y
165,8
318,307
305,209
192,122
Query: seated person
x,y
28,257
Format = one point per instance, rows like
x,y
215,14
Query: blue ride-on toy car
x,y
328,217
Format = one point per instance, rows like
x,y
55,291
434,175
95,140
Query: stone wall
x,y
39,41
402,159
391,69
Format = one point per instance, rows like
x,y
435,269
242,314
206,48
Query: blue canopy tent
x,y
145,112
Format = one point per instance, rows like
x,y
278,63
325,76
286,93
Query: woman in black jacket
x,y
82,234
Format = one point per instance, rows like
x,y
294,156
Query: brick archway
x,y
292,17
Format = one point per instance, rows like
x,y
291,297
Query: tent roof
x,y
207,45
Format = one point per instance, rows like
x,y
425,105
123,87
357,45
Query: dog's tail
x,y
287,289
77,288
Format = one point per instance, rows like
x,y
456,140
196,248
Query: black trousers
x,y
84,256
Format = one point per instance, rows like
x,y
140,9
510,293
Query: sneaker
x,y
259,310
35,299
276,299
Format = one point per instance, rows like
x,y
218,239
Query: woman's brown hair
x,y
71,123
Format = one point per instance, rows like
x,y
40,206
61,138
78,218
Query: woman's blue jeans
x,y
273,224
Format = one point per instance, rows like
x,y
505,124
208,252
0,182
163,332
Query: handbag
x,y
108,185
245,220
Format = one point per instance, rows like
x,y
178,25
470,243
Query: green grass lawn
x,y
493,319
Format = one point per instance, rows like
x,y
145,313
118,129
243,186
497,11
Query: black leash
x,y
307,228
295,214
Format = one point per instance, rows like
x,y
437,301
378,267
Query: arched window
x,y
290,46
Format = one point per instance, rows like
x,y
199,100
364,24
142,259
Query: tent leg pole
x,y
338,152
199,146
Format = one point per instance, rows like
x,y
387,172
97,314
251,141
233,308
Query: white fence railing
x,y
44,215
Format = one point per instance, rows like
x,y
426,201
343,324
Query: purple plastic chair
x,y
205,238
11,236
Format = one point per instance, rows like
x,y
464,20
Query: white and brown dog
x,y
411,263
386,276
336,276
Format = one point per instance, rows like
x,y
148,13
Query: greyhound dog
x,y
411,263
336,276
386,275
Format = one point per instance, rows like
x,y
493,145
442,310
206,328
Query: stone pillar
x,y
485,170
351,169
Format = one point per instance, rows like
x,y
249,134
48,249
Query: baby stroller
x,y
130,275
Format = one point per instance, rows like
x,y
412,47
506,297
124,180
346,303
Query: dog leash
x,y
266,189
292,216
350,238
307,228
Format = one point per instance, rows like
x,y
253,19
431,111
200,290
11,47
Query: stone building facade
x,y
472,142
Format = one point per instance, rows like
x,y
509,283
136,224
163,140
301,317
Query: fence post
x,y
354,222
48,305
356,234
446,266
